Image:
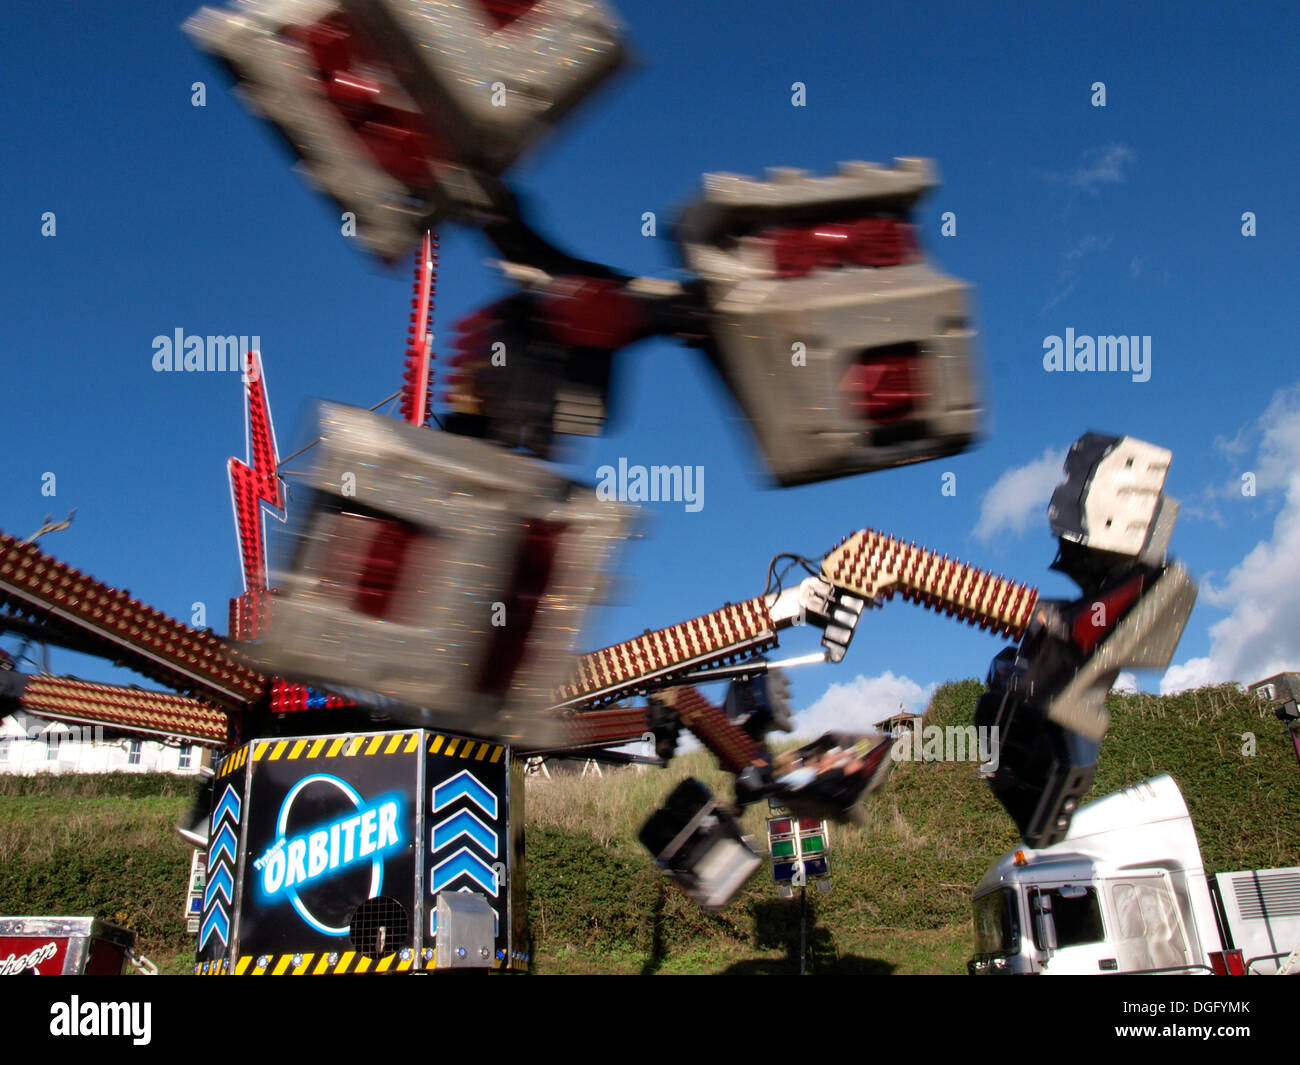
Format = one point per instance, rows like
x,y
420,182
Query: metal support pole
x,y
803,931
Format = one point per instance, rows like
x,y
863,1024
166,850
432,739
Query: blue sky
x,y
1123,219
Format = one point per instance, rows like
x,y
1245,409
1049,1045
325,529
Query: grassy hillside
x,y
902,880
102,844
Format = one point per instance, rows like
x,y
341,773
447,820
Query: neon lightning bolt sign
x,y
254,486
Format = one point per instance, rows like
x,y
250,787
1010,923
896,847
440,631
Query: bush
x,y
95,785
105,845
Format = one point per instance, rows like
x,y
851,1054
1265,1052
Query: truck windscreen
x,y
997,931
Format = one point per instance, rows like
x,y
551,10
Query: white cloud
x,y
1071,268
857,705
1021,493
1127,684
1260,452
1089,245
1097,167
1194,673
1101,166
1261,634
1061,293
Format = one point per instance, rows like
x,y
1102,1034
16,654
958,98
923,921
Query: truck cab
x,y
1125,891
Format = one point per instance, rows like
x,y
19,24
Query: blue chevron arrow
x,y
219,881
229,804
464,863
216,921
225,841
467,784
464,823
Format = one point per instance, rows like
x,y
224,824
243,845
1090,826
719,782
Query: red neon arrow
x,y
254,483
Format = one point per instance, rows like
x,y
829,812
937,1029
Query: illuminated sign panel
x,y
334,850
798,847
363,836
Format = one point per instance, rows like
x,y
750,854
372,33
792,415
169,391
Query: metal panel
x,y
430,811
221,897
466,931
843,366
54,946
330,833
1267,893
1262,910
453,635
470,846
494,89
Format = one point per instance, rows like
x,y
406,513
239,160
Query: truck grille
x,y
1267,895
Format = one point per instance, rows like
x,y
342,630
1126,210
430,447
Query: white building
x,y
31,744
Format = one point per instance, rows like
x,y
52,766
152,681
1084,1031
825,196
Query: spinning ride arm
x,y
113,625
1046,697
864,569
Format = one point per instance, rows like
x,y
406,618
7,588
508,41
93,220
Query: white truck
x,y
1126,891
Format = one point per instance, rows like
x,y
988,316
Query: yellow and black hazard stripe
x,y
363,746
377,744
335,964
335,746
308,964
234,760
460,747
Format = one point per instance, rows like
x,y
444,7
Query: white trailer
x,y
1126,891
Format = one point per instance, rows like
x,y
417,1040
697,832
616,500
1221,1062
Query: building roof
x,y
128,709
1291,680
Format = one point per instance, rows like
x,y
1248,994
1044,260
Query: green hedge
x,y
93,785
105,844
